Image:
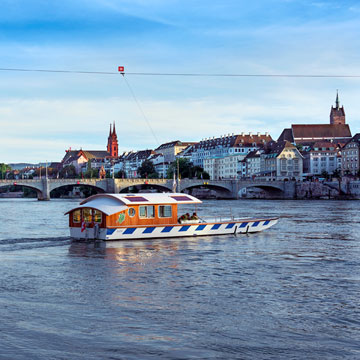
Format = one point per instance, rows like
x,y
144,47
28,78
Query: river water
x,y
291,292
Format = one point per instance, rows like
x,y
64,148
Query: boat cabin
x,y
126,210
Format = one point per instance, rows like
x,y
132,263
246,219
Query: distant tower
x,y
337,113
112,145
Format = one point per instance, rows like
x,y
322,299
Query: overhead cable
x,y
183,74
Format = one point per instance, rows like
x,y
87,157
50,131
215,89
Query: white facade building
x,y
220,156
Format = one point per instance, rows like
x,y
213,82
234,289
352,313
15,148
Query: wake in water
x,y
32,243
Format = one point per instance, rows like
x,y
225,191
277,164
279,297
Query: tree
x,y
186,170
68,171
120,174
147,170
325,174
336,173
184,166
3,169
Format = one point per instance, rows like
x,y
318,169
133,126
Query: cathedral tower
x,y
112,145
337,113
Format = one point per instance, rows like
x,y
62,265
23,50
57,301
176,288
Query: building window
x,y
165,211
76,216
87,215
97,216
147,211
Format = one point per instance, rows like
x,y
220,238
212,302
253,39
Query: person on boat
x,y
194,216
184,217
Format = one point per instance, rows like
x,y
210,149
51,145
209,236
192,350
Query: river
x,y
291,292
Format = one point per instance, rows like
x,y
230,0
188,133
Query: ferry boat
x,y
151,215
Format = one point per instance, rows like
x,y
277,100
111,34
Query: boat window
x,y
97,216
165,211
131,212
76,216
87,215
147,211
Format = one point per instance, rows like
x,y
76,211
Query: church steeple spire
x,y
112,145
114,131
337,113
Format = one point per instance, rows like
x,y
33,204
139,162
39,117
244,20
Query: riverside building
x,y
350,157
219,157
282,161
322,157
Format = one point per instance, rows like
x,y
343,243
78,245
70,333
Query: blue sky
x,y
43,114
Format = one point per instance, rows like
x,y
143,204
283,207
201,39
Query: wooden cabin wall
x,y
112,220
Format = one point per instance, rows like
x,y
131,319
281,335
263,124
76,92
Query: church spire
x,y
114,131
337,113
112,145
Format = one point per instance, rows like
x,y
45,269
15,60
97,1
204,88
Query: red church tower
x,y
112,145
337,113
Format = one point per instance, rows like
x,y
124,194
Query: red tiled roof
x,y
321,131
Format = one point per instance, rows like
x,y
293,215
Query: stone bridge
x,y
227,188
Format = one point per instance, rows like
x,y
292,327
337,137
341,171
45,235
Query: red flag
x,y
121,69
83,226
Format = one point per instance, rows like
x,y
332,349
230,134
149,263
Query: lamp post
x,y
46,171
178,176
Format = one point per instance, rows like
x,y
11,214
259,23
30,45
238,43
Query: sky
x,y
43,114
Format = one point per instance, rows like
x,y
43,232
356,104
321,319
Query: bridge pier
x,y
44,194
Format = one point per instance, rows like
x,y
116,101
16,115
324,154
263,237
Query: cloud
x,y
38,129
43,114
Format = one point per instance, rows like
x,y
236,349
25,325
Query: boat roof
x,y
108,206
113,203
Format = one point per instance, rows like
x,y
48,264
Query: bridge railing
x,y
12,181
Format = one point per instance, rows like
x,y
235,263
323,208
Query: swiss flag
x,y
121,69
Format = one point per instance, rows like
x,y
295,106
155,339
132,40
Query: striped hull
x,y
179,230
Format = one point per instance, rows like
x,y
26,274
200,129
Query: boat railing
x,y
217,219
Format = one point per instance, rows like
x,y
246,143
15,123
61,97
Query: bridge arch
x,y
58,186
20,184
270,190
220,191
141,186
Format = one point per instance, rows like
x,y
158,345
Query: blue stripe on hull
x,y
167,229
200,228
185,228
129,231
